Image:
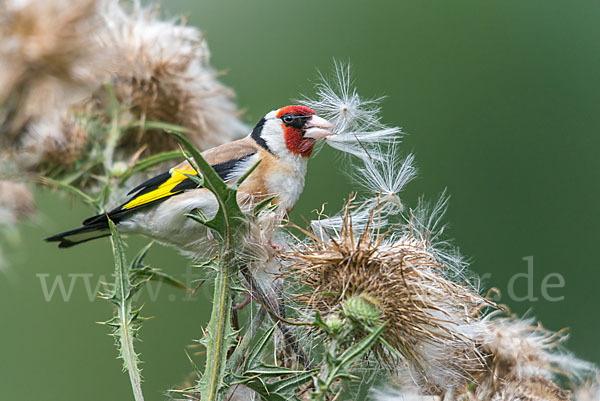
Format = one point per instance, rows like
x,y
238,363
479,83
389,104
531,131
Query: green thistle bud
x,y
362,309
335,323
119,168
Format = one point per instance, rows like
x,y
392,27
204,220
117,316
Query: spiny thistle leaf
x,y
255,353
141,272
151,273
229,215
360,348
262,205
255,373
336,366
280,390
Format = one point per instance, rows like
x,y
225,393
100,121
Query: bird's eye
x,y
287,118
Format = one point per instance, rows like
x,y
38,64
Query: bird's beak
x,y
317,127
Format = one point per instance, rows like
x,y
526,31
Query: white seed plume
x,y
339,102
385,179
425,223
357,120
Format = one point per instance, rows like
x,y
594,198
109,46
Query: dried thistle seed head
x,y
522,348
394,394
535,388
524,360
164,75
54,140
55,54
425,312
49,59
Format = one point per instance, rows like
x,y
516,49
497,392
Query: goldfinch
x,y
283,140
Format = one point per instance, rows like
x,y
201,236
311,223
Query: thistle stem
x,y
114,132
219,327
122,298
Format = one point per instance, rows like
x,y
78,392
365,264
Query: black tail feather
x,y
94,227
96,224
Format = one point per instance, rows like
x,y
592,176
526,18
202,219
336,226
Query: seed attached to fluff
x,y
360,131
385,179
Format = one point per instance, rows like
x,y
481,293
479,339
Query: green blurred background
x,y
500,102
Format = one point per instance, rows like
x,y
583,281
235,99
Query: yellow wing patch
x,y
163,190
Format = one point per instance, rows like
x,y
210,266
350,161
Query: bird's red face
x,y
291,129
293,122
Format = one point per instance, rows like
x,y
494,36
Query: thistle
x,y
164,75
49,60
403,281
523,361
